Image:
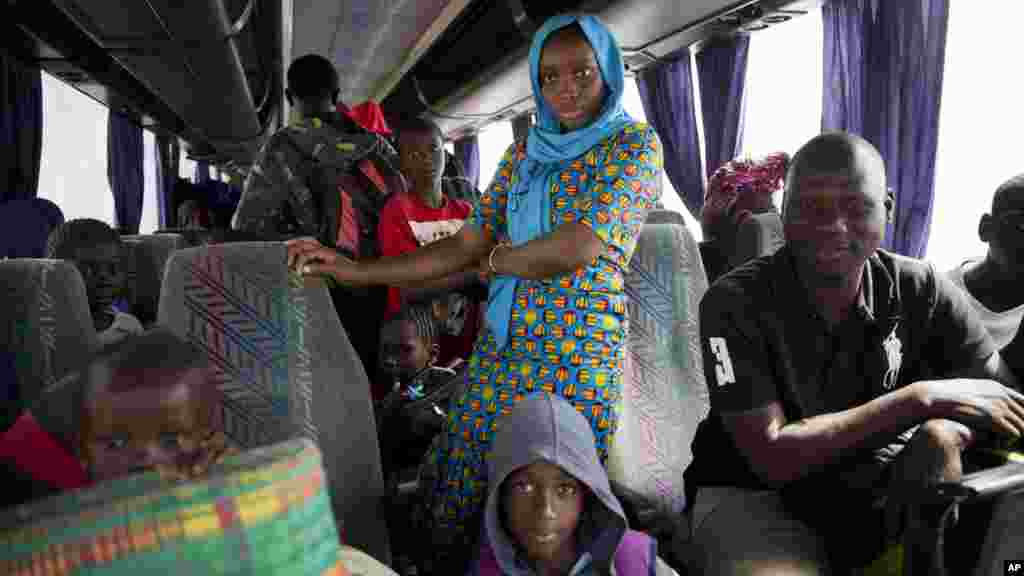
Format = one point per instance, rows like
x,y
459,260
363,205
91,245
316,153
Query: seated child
x,y
145,402
550,510
95,249
414,389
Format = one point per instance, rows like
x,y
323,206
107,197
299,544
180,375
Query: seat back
x,y
47,325
143,259
25,226
758,235
665,217
285,367
1003,542
262,512
664,395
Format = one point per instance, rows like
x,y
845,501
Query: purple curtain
x,y
467,150
722,68
21,128
884,63
124,170
168,157
666,92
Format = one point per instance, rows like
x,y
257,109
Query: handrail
x,y
242,21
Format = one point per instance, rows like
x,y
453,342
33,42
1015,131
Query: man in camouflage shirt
x,y
321,176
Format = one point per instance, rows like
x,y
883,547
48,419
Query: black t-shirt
x,y
764,342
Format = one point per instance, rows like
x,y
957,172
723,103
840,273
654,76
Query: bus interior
x,y
205,81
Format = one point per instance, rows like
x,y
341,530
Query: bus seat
x,y
759,235
143,259
48,326
665,217
25,226
664,395
285,367
202,237
265,511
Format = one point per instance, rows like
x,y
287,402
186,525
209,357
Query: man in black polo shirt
x,y
830,368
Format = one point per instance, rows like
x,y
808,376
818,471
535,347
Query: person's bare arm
x,y
569,247
431,262
779,451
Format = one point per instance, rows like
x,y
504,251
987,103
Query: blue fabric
x,y
124,171
21,128
201,174
883,67
25,226
722,69
666,92
547,147
467,150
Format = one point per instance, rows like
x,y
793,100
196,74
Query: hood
x,y
609,59
546,427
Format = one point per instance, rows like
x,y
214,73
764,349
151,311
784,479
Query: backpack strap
x,y
637,555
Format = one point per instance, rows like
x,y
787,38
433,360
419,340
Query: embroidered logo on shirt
x,y
893,348
723,363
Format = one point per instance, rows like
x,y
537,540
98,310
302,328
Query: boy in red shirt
x,y
420,217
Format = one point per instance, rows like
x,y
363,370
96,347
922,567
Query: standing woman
x,y
554,232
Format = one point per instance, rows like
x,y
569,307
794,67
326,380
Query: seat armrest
x,y
986,483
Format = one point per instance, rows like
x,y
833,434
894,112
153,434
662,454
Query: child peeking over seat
x,y
149,403
95,249
550,509
143,403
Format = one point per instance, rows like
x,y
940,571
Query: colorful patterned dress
x,y
567,333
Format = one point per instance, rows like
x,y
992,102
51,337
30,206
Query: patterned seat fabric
x,y
263,512
665,217
48,329
143,259
25,226
664,394
284,366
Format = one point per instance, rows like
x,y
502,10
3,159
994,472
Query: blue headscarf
x,y
547,147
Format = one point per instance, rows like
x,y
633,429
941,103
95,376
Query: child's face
x,y
100,267
403,352
543,505
421,159
139,421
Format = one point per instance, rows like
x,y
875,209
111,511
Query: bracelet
x,y
490,258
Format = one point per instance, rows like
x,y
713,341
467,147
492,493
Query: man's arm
x,y
779,451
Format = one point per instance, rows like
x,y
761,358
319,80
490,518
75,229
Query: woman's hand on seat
x,y
309,257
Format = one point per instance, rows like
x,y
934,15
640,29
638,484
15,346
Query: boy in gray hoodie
x,y
550,509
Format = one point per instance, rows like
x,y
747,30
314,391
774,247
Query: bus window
x,y
149,222
979,128
784,87
73,169
494,140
